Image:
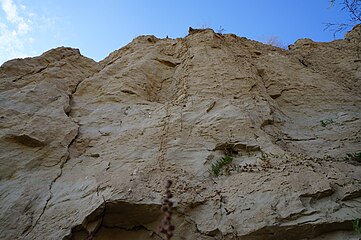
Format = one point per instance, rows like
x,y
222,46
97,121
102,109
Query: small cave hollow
x,y
120,220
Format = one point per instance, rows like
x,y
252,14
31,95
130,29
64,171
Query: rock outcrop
x,y
86,147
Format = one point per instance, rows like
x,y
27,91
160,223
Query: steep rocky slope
x,y
87,147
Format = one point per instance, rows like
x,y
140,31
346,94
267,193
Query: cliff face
x,y
87,147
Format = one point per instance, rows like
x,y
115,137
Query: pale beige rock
x,y
35,133
87,147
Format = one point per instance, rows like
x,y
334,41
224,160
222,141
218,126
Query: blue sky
x,y
30,27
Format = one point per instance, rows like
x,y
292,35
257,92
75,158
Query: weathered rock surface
x,y
87,147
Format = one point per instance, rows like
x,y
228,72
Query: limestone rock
x,y
86,147
35,133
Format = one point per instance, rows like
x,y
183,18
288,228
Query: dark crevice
x,y
24,139
212,233
352,195
31,73
168,63
300,139
267,122
275,96
128,92
279,94
67,112
318,195
302,61
133,229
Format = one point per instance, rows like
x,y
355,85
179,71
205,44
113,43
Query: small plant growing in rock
x,y
276,42
265,160
263,157
353,157
221,30
166,226
356,225
326,122
216,167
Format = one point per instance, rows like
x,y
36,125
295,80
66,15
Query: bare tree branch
x,y
353,7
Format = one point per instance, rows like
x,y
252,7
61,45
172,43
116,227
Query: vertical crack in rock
x,y
162,150
62,162
68,112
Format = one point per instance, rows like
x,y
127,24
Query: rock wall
x,y
86,147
